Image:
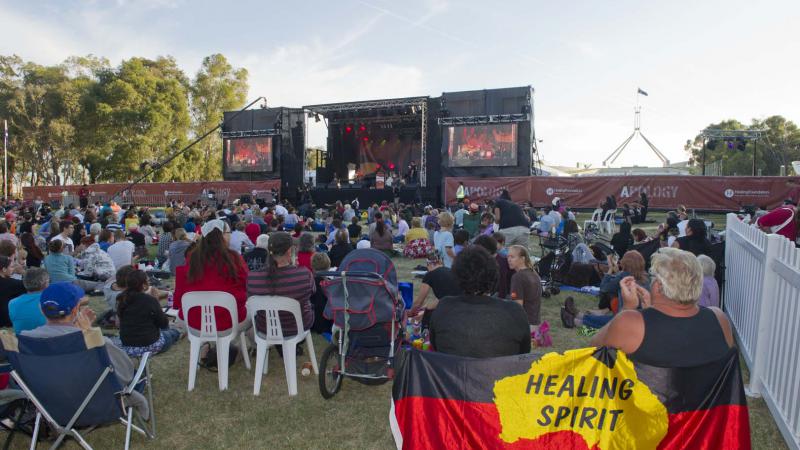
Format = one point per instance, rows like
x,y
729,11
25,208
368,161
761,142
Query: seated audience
x,y
96,264
354,230
504,274
460,240
61,267
34,255
695,240
143,325
475,324
164,241
239,240
381,237
25,311
710,294
639,236
671,330
781,220
282,278
320,263
305,249
341,248
122,250
622,240
256,259
443,240
213,266
66,311
526,286
417,243
105,239
439,280
10,288
402,230
177,249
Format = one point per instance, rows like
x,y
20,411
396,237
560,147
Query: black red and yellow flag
x,y
581,399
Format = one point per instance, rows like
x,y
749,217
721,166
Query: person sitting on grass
x,y
341,248
164,241
710,294
526,286
417,243
441,281
381,237
475,324
143,325
632,265
305,250
354,230
320,262
256,259
61,267
460,240
504,273
96,264
671,329
25,311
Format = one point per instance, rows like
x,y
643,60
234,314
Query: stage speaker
x,y
324,175
333,184
357,185
246,198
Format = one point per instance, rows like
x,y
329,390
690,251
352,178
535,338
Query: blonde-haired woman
x,y
526,286
443,239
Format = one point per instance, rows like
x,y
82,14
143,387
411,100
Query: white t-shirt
x,y
682,227
280,210
69,246
121,253
442,240
238,238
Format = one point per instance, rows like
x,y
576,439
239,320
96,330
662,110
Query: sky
x,y
700,62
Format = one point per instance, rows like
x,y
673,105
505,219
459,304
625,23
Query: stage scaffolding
x,y
409,106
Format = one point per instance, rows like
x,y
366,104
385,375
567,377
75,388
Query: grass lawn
x,y
355,418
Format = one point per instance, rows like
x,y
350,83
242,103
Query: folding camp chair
x,y
71,381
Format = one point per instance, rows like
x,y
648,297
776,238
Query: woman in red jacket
x,y
212,266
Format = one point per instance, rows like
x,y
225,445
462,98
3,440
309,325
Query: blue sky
x,y
701,62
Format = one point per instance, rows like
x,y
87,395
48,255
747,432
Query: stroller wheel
x,y
546,293
554,290
330,375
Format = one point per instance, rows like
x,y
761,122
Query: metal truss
x,y
478,120
250,133
721,135
371,104
423,160
636,131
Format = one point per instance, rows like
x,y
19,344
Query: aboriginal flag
x,y
583,399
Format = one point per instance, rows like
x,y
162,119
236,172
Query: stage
x,y
366,196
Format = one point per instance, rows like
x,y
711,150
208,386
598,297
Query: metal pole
x,y
755,145
5,159
704,156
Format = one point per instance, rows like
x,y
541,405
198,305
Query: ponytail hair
x,y
523,253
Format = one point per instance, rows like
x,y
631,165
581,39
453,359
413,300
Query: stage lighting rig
x,y
734,139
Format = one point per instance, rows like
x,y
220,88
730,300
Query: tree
x,y
217,87
779,145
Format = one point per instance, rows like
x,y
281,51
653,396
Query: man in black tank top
x,y
670,330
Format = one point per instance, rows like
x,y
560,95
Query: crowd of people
x,y
480,296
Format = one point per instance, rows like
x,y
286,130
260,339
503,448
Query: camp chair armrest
x,y
139,372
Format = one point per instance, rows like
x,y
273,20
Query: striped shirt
x,y
290,281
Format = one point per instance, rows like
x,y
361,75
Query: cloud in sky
x,y
701,63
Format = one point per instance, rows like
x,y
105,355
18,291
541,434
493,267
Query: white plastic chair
x,y
271,306
608,221
208,332
597,215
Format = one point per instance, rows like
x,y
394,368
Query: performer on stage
x,y
412,174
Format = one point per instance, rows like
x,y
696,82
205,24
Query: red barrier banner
x,y
154,193
706,193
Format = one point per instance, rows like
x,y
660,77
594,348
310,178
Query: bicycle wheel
x,y
330,372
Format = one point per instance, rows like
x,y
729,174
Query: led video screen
x,y
482,145
248,154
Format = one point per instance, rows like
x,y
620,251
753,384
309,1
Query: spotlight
x,y
366,139
741,144
711,144
362,128
348,129
391,166
730,145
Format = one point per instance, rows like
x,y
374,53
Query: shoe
x,y
567,319
569,305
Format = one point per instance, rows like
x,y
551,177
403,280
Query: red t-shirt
x,y
304,260
212,280
778,217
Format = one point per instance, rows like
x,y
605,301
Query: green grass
x,y
355,418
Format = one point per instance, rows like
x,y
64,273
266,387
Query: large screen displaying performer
x,y
482,145
248,154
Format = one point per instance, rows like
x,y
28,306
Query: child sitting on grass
x,y
143,325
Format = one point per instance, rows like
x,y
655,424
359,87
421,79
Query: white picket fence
x,y
762,298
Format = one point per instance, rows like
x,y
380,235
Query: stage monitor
x,y
251,154
491,145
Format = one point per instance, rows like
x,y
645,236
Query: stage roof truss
x,y
721,135
249,133
368,105
480,120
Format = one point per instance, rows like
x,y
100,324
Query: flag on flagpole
x,y
642,92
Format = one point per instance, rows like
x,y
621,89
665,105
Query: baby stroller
x,y
366,308
555,262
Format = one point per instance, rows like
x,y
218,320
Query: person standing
x,y
512,221
460,192
443,240
781,220
83,195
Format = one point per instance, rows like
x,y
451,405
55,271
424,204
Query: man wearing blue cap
x,y
65,308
